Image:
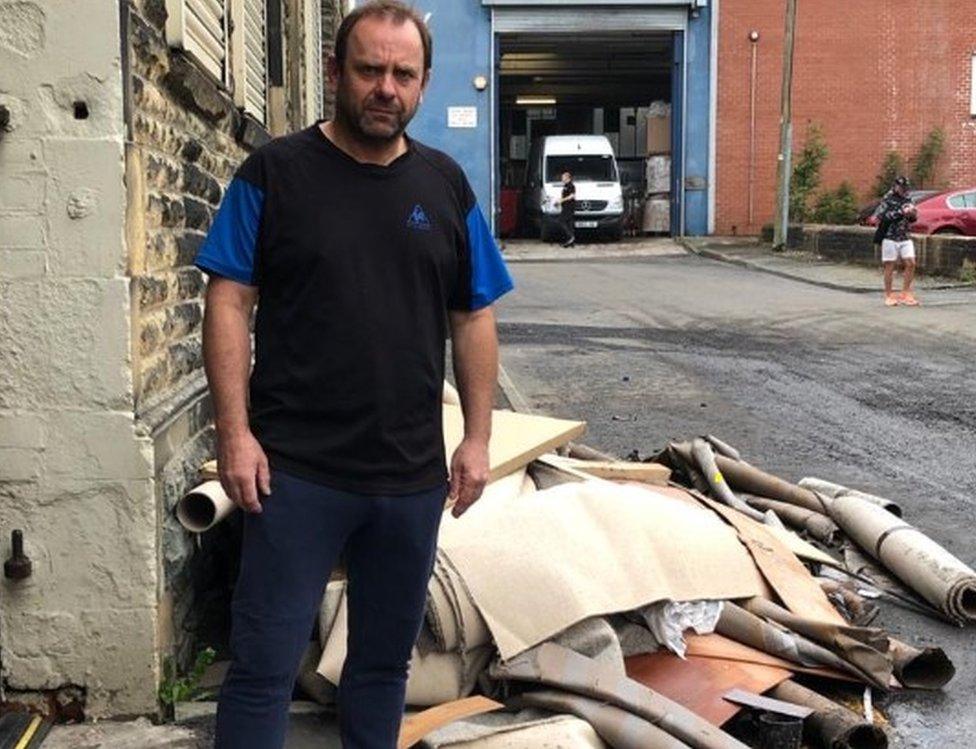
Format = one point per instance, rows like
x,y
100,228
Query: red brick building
x,y
877,76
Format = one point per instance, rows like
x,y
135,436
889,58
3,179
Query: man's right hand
x,y
243,468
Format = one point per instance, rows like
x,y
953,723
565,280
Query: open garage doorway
x,y
625,86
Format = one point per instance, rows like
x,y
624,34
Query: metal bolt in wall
x,y
18,567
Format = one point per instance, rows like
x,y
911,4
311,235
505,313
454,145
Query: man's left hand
x,y
469,474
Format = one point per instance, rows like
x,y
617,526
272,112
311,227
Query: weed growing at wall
x,y
806,172
925,162
893,166
837,206
187,688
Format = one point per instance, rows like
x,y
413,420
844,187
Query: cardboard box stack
x,y
657,195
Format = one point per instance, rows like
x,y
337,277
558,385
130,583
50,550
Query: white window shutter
x,y
250,57
199,27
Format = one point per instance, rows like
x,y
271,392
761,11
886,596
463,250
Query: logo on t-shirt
x,y
418,218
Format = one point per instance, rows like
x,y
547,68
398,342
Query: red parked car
x,y
948,213
951,212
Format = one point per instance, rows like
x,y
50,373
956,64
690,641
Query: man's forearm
x,y
475,349
227,360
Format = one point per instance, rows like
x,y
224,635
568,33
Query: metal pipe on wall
x,y
753,70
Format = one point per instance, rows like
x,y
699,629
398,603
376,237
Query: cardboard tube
x,y
832,726
921,669
743,626
706,459
818,525
723,448
915,559
203,507
833,490
866,649
747,478
617,727
557,666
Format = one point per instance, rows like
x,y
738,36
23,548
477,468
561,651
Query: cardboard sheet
x,y
793,583
516,439
537,565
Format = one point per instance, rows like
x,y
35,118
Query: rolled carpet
x,y
915,559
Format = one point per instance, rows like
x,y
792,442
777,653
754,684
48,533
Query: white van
x,y
599,198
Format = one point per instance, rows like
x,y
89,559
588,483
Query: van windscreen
x,y
584,168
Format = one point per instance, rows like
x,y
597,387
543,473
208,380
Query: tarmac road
x,y
802,380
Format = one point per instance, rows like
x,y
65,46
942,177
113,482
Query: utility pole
x,y
784,169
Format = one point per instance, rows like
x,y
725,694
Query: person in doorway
x,y
896,217
567,209
365,246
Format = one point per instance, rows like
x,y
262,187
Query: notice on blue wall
x,y
462,117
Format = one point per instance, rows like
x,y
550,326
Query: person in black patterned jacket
x,y
897,214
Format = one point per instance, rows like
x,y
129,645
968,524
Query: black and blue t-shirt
x,y
356,267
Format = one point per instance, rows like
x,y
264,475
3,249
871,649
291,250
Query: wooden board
x,y
516,439
700,684
622,470
208,471
417,726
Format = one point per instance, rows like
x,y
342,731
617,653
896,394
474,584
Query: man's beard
x,y
358,122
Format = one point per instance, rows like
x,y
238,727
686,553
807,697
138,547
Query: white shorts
x,y
892,250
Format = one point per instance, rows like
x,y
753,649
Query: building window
x,y
199,28
249,57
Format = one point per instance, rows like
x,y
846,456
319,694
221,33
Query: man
x,y
364,245
567,209
897,214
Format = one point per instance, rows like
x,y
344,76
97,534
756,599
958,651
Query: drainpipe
x,y
754,44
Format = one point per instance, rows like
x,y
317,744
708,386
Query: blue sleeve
x,y
489,276
229,248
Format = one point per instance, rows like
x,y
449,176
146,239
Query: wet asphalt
x,y
803,380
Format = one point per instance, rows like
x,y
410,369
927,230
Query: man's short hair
x,y
396,10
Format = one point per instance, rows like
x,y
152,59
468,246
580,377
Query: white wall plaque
x,y
462,117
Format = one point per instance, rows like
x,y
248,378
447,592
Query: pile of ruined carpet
x,y
690,601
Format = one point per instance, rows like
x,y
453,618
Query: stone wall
x,y
935,254
76,474
186,140
332,12
115,152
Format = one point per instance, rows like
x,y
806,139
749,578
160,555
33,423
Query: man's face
x,y
566,177
380,86
901,190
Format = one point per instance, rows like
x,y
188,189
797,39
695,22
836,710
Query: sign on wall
x,y
462,117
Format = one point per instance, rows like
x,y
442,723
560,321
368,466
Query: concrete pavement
x,y
804,266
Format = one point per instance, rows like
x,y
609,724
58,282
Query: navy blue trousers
x,y
288,552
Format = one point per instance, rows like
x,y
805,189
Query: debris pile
x,y
692,600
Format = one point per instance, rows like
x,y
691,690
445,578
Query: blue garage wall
x,y
697,121
461,30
